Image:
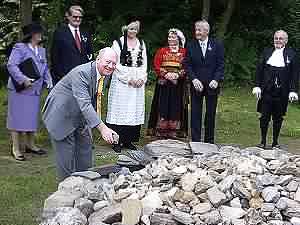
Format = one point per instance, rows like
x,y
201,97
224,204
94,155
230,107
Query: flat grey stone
x,y
167,147
230,213
91,175
61,199
202,208
292,186
84,205
203,148
215,196
67,216
109,215
131,211
270,194
182,217
162,218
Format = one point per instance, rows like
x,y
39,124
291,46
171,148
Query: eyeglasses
x,y
278,38
77,17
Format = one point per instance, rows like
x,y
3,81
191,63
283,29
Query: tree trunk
x,y
25,12
205,9
225,19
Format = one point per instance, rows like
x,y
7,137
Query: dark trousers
x,y
210,114
271,107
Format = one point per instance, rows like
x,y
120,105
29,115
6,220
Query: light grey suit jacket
x,y
69,103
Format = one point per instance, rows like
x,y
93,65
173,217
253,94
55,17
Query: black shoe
x,y
38,152
17,157
130,146
117,148
276,146
263,146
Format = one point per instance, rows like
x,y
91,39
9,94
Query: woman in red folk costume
x,y
168,117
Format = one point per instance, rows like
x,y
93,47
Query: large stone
x,y
230,213
131,211
203,148
100,205
292,209
109,215
61,199
151,202
162,148
72,184
295,220
202,208
269,154
212,217
297,195
162,218
188,181
226,184
235,203
215,196
66,216
238,189
182,217
292,186
270,194
91,175
284,180
268,207
265,180
94,190
288,168
204,183
281,204
84,205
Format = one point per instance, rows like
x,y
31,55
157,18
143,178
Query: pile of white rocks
x,y
226,186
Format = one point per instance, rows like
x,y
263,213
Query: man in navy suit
x,y
71,46
204,65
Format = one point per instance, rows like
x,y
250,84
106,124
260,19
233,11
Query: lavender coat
x,y
24,106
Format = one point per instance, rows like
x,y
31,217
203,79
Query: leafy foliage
x,y
249,31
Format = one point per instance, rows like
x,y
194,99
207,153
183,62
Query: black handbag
x,y
30,70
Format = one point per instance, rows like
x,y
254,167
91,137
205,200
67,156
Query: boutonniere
x,y
209,47
287,60
84,39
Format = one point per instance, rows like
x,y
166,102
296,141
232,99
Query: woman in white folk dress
x,y
126,96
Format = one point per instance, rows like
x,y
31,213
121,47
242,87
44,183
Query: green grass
x,y
25,185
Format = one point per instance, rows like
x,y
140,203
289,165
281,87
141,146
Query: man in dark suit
x,y
276,84
71,46
204,65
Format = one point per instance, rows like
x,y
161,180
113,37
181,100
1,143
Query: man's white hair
x,y
102,52
285,35
203,23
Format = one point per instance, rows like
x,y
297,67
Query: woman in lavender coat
x,y
24,106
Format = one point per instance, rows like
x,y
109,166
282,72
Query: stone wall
x,y
208,185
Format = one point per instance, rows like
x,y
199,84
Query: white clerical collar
x,y
277,58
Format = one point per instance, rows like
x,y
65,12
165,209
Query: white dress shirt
x,y
203,45
73,31
277,58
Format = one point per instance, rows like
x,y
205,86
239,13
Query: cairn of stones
x,y
191,184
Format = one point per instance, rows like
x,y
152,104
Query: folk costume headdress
x,y
180,36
